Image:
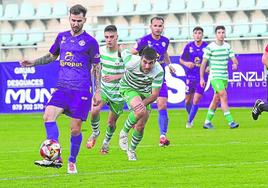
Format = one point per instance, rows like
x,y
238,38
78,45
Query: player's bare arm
x,y
110,78
202,72
97,75
264,59
39,61
168,62
152,97
235,63
134,51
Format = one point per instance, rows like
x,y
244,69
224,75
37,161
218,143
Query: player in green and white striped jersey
x,y
218,54
139,86
112,69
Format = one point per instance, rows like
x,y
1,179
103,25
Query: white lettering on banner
x,y
24,71
24,95
251,76
248,79
176,84
25,83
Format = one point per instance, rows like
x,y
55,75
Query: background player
x,y
160,44
218,53
191,58
139,87
77,51
260,105
111,72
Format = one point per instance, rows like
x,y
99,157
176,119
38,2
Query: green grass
x,y
196,157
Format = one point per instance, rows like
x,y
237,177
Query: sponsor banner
x,y
28,89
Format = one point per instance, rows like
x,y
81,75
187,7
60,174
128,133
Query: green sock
x,y
109,133
228,117
135,140
95,123
210,115
131,120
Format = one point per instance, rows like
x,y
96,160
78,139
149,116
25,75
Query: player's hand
x,y
171,69
207,69
96,98
202,83
122,47
26,63
190,65
109,78
234,66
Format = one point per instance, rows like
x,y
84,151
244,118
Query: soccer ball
x,y
50,150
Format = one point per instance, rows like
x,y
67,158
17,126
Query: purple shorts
x,y
75,103
193,86
164,90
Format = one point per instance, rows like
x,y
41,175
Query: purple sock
x,y
188,107
52,130
75,147
163,121
193,112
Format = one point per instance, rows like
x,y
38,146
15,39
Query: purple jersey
x,y
193,54
160,45
76,55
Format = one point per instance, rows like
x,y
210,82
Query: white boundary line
x,y
134,169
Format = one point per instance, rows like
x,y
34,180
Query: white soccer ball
x,y
50,149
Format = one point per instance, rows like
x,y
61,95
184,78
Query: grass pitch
x,y
196,157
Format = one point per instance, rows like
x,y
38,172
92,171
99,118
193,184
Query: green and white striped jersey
x,y
111,65
135,79
218,56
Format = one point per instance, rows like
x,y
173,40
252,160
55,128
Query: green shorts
x,y
129,94
115,107
219,85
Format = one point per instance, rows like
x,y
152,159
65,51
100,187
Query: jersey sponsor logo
x,y
82,43
69,56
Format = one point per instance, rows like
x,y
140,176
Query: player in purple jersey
x,y
191,58
78,52
160,44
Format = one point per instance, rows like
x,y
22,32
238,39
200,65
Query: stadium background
x,y
29,27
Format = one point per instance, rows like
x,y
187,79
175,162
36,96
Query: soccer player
x,y
260,105
78,52
218,53
139,86
160,44
191,58
111,72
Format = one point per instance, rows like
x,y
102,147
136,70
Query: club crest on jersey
x,y
82,43
191,50
63,39
164,44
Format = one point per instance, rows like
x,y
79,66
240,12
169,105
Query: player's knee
x,y
162,106
139,128
75,131
111,123
48,117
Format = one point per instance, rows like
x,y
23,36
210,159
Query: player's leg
x,y
211,111
116,108
79,107
163,114
53,109
258,108
189,93
137,135
95,124
76,139
194,109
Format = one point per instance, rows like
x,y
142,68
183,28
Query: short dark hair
x,y
78,9
157,18
198,28
111,28
149,53
219,27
